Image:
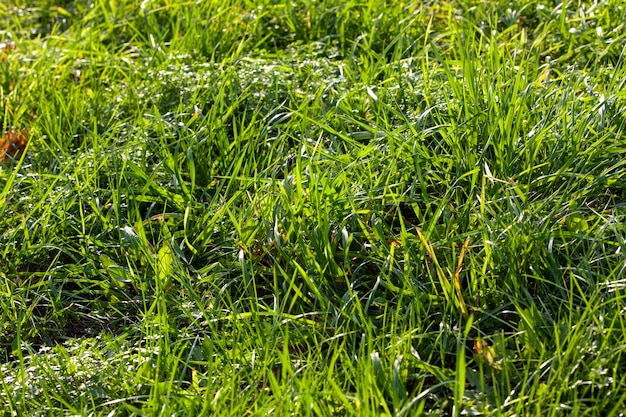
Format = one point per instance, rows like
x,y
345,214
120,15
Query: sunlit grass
x,y
298,208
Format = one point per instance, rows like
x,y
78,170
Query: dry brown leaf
x,y
13,144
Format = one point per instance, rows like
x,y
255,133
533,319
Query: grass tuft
x,y
312,208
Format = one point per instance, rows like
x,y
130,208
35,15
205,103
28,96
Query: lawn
x,y
340,207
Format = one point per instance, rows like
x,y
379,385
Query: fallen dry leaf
x,y
12,145
5,49
486,352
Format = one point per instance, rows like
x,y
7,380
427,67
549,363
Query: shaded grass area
x,y
361,208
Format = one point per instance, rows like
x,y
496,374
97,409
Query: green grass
x,y
314,208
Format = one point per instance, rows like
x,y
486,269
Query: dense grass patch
x,y
313,208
